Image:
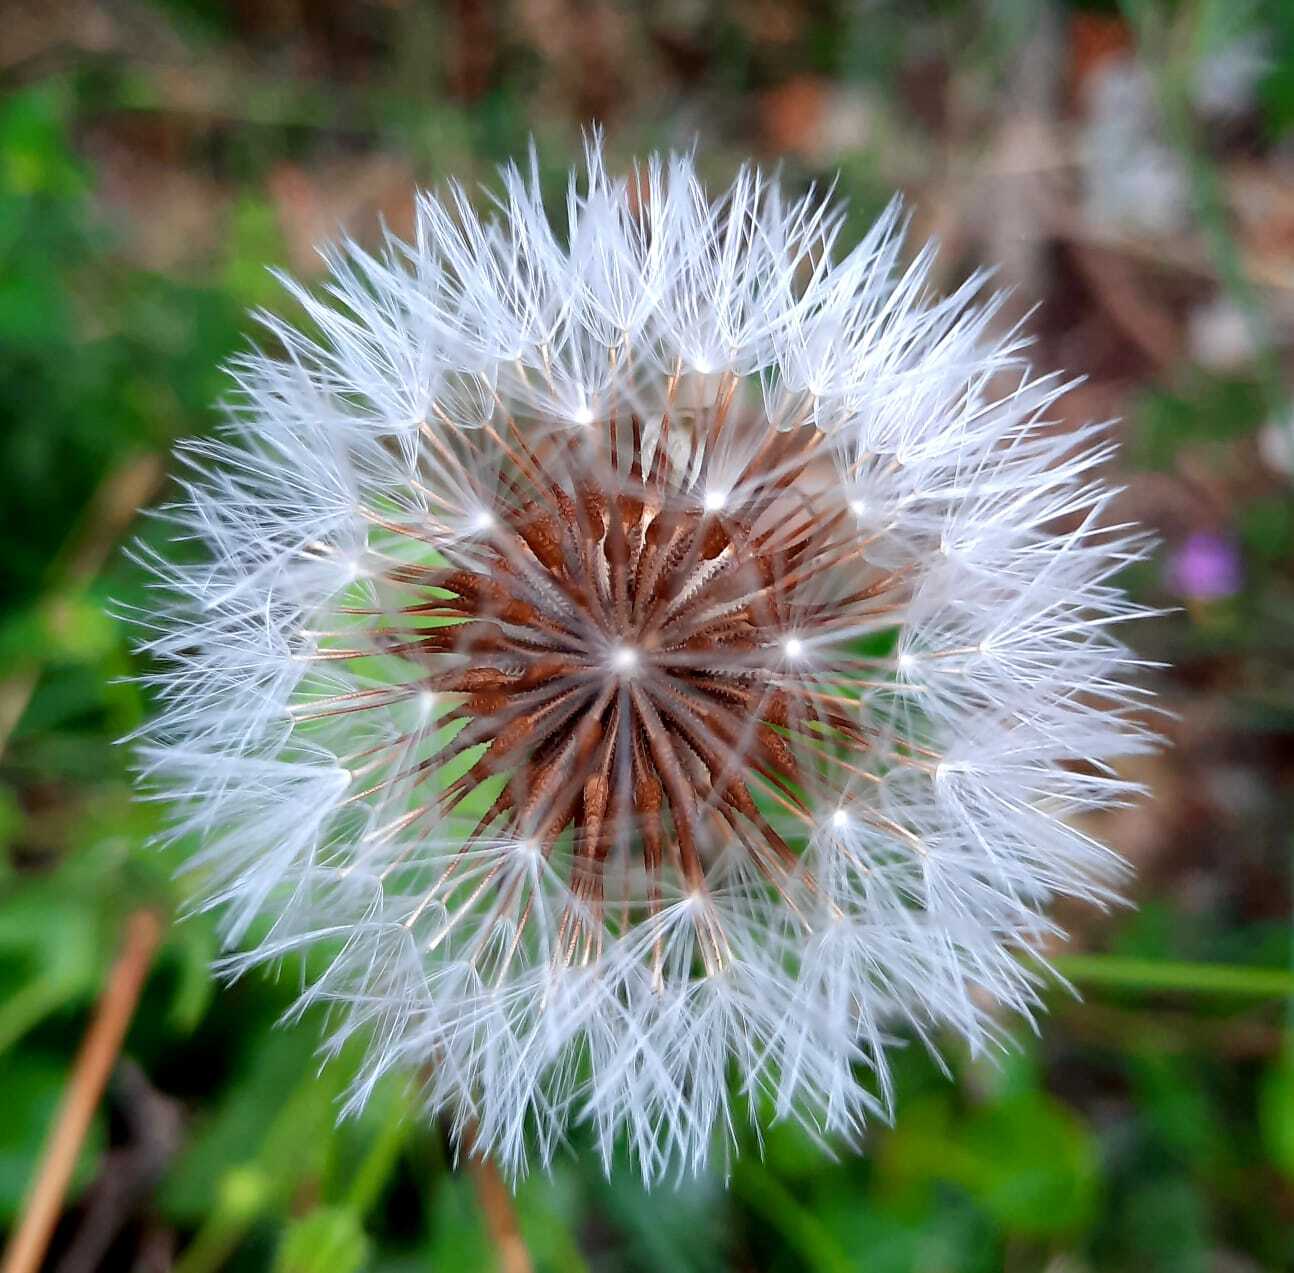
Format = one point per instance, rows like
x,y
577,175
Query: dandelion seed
x,y
606,836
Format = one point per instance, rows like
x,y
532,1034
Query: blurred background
x,y
1129,167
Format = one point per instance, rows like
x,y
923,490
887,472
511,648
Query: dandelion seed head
x,y
531,718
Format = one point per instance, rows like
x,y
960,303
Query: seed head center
x,y
627,646
625,660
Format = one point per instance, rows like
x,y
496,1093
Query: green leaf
x,y
279,1071
35,158
548,1212
1031,1164
11,821
1267,527
1165,1222
1276,1114
33,1087
796,1221
1206,411
790,1151
53,948
254,240
191,950
77,630
458,1237
1276,90
948,1232
1170,1090
677,1228
329,1240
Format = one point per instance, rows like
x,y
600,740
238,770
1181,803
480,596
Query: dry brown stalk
x,y
498,1210
94,1064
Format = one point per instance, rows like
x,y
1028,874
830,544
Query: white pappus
x,y
654,653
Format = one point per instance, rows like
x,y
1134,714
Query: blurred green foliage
x,y
1136,1133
